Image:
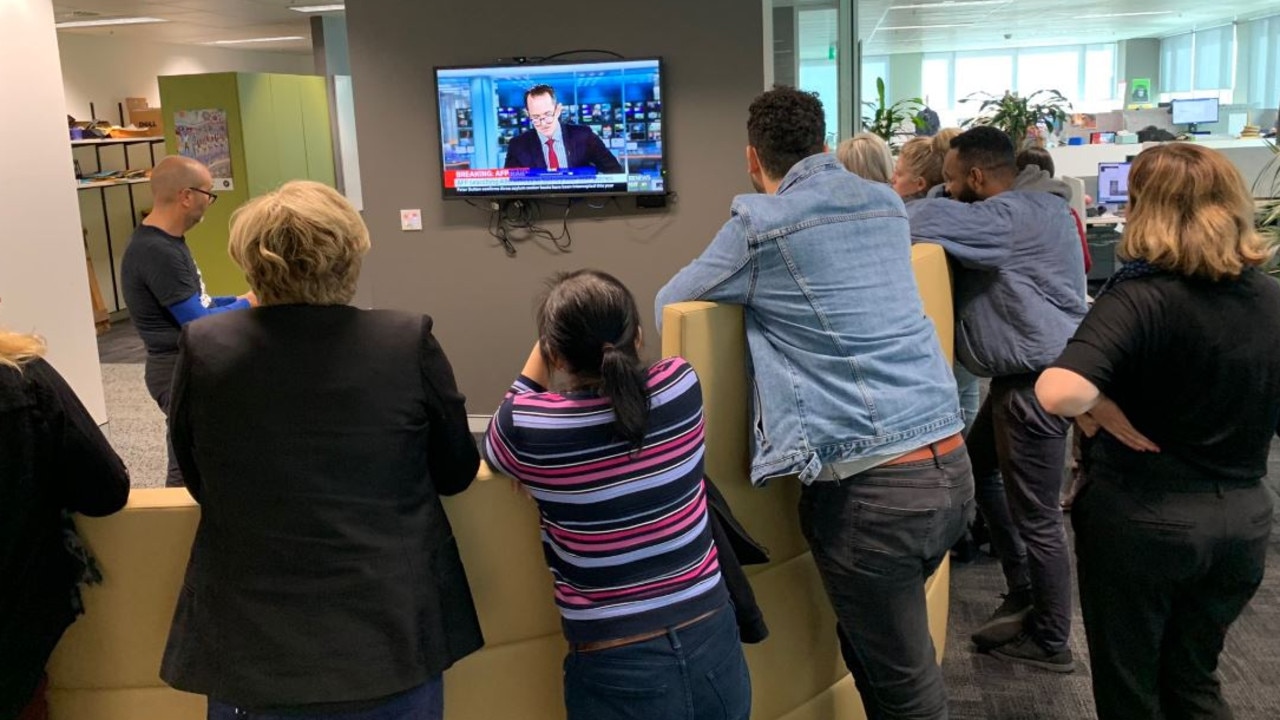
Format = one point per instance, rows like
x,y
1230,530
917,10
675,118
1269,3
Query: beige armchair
x,y
107,665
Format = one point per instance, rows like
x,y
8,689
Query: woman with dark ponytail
x,y
614,461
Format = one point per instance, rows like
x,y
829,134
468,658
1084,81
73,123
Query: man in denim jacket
x,y
852,393
1019,292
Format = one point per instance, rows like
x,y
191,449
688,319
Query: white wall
x,y
43,281
105,70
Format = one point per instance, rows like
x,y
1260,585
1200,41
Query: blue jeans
x,y
694,673
876,537
425,702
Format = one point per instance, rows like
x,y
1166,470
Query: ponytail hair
x,y
589,322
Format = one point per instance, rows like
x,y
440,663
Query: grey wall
x,y
1140,58
482,300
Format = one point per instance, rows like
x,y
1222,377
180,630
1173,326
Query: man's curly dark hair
x,y
785,126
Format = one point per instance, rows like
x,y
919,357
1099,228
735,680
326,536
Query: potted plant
x,y
887,120
1017,115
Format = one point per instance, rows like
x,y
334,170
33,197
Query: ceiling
x,y
984,24
978,24
196,22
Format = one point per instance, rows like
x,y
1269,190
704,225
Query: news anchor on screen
x,y
553,145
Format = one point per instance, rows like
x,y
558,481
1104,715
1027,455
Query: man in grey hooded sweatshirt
x,y
1019,291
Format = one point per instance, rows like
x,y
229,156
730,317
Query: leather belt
x,y
928,452
598,645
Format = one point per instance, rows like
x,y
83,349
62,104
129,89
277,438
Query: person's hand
x,y
251,297
1111,418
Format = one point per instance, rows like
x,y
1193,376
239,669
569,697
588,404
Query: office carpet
x,y
981,687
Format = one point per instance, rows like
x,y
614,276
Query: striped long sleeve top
x,y
626,535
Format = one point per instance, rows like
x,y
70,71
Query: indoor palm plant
x,y
1017,115
886,120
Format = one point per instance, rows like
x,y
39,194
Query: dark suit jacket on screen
x,y
318,441
585,149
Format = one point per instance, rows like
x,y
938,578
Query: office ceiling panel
x,y
885,26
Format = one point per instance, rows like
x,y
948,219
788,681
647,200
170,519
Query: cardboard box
x,y
150,118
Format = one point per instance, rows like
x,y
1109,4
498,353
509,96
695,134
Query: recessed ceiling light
x,y
108,21
284,38
317,8
949,4
1126,14
924,27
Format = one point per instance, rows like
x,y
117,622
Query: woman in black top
x,y
318,438
53,461
1175,375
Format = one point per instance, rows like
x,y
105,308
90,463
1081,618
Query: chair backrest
x,y
1077,194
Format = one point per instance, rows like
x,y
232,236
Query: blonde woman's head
x,y
867,155
1191,213
920,164
17,349
303,243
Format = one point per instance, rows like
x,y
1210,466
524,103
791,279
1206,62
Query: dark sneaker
x,y
1006,622
1026,651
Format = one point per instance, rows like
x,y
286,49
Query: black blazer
x,y
318,441
52,458
584,149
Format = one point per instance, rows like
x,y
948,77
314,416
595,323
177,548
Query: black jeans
x,y
1162,577
1019,459
876,537
158,375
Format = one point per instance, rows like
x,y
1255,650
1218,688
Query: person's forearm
x,y
191,309
535,368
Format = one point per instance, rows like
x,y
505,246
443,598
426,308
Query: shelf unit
x,y
102,185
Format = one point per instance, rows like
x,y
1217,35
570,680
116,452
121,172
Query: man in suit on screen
x,y
553,145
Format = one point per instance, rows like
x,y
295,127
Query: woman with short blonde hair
x,y
16,349
1175,376
867,155
302,244
919,166
318,439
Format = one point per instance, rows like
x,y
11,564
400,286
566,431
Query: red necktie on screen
x,y
553,161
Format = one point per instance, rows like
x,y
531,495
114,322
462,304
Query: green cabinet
x,y
278,129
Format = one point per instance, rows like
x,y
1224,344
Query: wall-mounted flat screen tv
x,y
552,130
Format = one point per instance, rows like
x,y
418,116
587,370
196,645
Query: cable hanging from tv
x,y
512,221
566,53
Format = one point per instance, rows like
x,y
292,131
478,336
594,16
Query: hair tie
x,y
607,347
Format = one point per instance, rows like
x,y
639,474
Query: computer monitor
x,y
1113,183
1194,112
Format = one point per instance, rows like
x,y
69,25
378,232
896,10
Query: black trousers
x,y
876,537
158,375
1019,459
1162,577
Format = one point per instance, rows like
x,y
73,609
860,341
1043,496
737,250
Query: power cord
x,y
511,221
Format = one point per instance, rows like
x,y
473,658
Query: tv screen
x,y
565,129
1193,112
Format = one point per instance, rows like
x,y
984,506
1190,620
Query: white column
x,y
44,286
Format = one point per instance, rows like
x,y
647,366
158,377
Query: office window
x,y
935,80
1175,63
1099,73
1049,69
1213,53
875,66
982,72
1263,62
819,71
